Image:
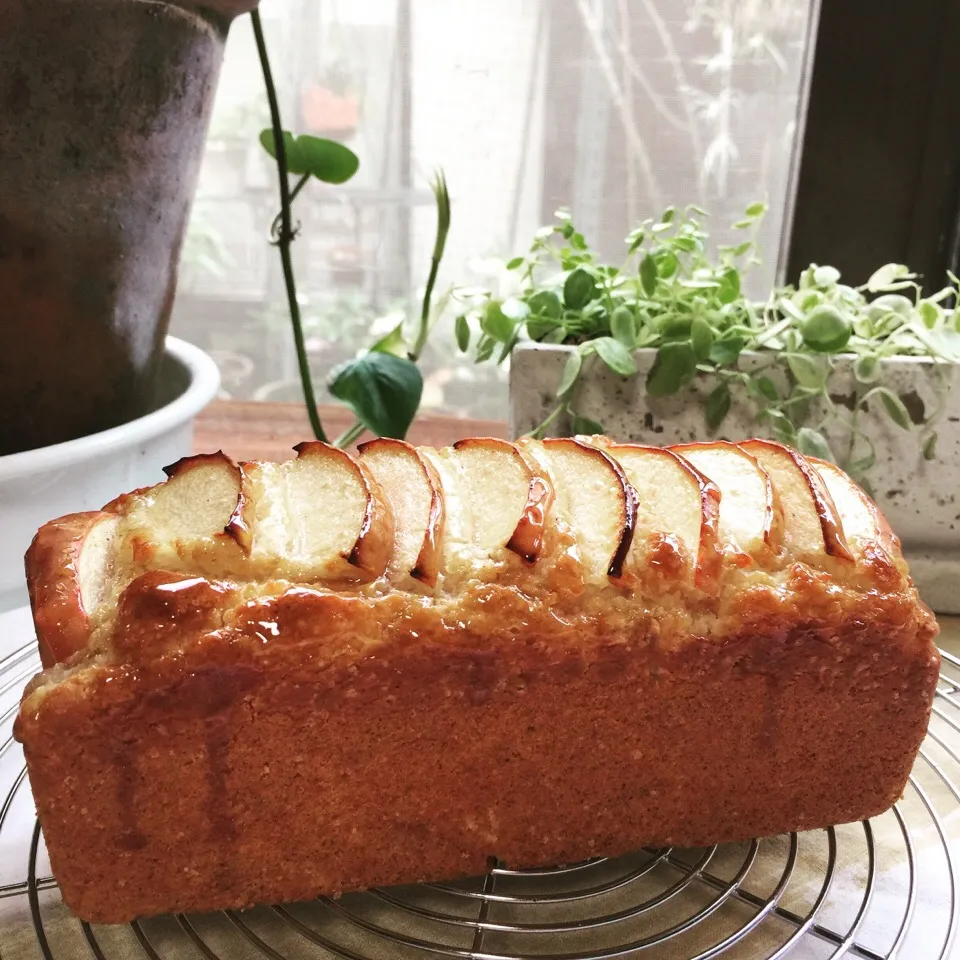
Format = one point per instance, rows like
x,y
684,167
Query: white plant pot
x,y
920,498
84,474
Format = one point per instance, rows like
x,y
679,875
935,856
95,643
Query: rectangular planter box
x,y
920,498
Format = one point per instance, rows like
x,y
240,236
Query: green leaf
x,y
889,274
809,372
896,411
867,368
814,443
717,406
674,367
763,388
616,356
725,351
623,326
826,330
668,215
514,263
393,343
729,288
495,323
930,446
585,427
782,428
462,330
571,370
327,160
756,209
540,327
636,240
294,161
648,275
825,277
577,241
701,338
382,390
579,289
545,303
929,314
485,347
667,263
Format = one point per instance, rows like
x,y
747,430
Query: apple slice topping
x,y
674,500
812,527
862,520
749,513
495,481
595,499
184,522
321,516
72,570
412,485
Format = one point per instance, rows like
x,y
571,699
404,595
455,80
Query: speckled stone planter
x,y
920,498
104,106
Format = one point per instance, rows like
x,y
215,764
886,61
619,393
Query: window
x,y
614,108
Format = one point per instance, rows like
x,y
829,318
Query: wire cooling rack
x,y
879,889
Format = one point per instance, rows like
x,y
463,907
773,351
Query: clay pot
x,y
104,106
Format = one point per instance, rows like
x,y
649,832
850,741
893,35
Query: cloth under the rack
x,y
734,907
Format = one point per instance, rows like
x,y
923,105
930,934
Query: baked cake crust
x,y
211,741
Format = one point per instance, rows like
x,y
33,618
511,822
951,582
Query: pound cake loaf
x,y
269,681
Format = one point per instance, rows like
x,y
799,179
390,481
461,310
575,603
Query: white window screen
x,y
614,108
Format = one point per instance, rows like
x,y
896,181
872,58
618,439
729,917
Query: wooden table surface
x,y
248,430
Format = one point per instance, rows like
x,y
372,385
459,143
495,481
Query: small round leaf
x,y
826,330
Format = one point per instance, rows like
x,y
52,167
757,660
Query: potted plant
x,y
104,107
666,347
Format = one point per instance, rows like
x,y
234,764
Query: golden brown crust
x,y
200,776
62,623
522,713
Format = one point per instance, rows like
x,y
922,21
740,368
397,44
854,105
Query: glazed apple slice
x,y
192,521
812,526
861,517
595,499
507,500
411,484
72,569
750,521
674,500
321,516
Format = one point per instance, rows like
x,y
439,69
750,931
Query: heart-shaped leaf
x,y
382,390
327,160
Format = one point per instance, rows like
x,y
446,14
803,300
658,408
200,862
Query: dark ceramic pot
x,y
104,106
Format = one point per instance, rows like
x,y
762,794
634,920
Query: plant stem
x,y
537,432
350,435
286,235
439,243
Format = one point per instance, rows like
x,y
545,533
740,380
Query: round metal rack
x,y
884,888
